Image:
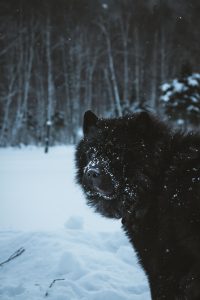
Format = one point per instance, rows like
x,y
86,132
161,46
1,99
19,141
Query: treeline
x,y
60,58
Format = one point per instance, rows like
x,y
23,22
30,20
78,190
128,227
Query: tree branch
x,y
13,256
52,283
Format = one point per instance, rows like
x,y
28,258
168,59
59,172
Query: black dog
x,y
136,169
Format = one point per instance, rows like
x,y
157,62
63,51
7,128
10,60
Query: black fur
x,y
156,180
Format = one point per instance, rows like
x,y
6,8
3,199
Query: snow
x,y
178,86
49,123
168,90
165,86
196,75
41,191
180,122
70,252
192,81
194,99
105,5
182,93
193,108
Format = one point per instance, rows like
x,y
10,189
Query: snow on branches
x,y
181,99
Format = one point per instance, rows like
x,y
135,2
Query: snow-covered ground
x,y
70,252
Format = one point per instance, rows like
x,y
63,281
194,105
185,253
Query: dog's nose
x,y
93,173
98,181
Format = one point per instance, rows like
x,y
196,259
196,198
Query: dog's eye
x,y
89,155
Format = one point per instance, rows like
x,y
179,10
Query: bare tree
x,y
137,64
91,61
124,27
154,78
50,83
7,101
112,68
25,64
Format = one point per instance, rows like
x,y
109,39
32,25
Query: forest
x,y
61,58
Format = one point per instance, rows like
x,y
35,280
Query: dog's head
x,y
111,161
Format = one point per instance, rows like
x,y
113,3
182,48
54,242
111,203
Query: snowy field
x,y
65,251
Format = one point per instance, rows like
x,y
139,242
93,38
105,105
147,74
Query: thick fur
x,y
156,175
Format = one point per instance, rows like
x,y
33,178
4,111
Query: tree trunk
x,y
137,66
124,25
112,70
153,98
50,85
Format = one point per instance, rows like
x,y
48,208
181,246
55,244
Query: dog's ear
x,y
89,123
144,117
144,122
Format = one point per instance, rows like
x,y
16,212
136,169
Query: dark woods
x,y
60,58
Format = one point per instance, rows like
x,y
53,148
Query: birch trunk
x,y
137,66
50,86
153,98
124,26
112,71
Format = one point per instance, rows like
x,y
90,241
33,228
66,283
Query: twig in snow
x,y
52,283
13,256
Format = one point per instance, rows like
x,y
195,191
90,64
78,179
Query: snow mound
x,y
74,222
70,265
89,258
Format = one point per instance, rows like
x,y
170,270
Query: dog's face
x,y
109,160
97,176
